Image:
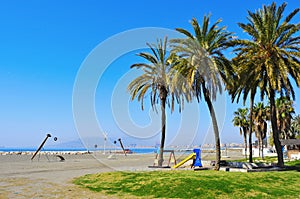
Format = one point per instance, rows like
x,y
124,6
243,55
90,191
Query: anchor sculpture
x,y
122,146
41,146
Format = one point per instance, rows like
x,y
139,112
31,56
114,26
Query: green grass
x,y
295,163
191,184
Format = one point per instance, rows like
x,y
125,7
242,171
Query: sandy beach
x,y
48,177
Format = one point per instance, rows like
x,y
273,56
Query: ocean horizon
x,y
139,150
31,149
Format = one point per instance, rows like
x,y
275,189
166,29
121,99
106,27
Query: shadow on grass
x,y
293,165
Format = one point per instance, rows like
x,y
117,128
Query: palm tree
x,y
296,127
156,79
241,120
238,86
205,65
285,109
271,57
260,117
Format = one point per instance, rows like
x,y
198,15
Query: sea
x,y
134,150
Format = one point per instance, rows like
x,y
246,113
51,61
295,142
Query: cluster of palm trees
x,y
196,67
294,132
260,117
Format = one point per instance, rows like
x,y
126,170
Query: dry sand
x,y
42,178
47,177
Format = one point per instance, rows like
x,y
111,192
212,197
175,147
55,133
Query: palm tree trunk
x,y
275,128
250,128
279,125
163,95
215,126
245,141
262,148
260,145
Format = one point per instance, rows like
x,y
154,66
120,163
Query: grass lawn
x,y
295,163
191,184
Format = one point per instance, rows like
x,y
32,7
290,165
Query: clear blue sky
x,y
44,43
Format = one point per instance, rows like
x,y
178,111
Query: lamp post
x,y
105,139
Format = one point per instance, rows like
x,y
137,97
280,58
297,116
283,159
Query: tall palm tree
x,y
241,120
238,86
155,81
205,66
271,57
260,118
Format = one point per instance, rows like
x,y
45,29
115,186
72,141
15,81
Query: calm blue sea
x,y
135,150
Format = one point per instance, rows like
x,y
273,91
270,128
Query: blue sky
x,y
44,44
